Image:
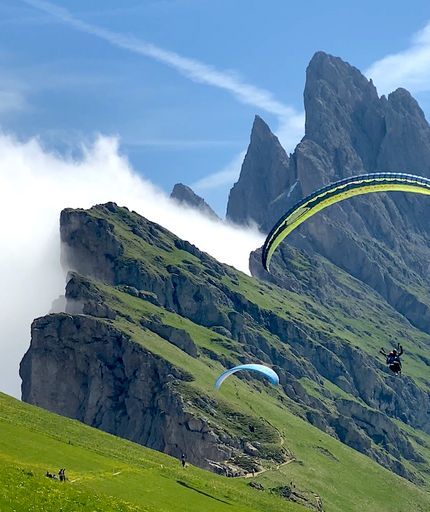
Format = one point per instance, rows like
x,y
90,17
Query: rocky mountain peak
x,y
401,99
343,110
339,75
406,145
260,131
186,196
264,174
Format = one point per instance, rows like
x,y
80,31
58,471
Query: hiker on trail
x,y
393,359
62,475
183,459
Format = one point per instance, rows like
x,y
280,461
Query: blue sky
x,y
67,75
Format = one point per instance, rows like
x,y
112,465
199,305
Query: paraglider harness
x,y
393,359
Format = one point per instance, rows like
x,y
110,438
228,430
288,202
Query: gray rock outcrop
x,y
84,368
265,183
186,196
178,337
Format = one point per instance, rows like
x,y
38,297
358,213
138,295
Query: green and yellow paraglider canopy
x,y
334,193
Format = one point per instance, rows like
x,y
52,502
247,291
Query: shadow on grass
x,y
184,484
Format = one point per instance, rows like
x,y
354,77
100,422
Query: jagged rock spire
x,y
186,196
264,175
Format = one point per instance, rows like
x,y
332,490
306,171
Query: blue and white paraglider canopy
x,y
271,375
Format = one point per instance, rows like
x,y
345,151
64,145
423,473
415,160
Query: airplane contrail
x,y
193,69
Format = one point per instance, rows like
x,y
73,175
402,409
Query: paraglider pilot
x,y
393,359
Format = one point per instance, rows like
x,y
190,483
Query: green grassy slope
x,y
106,474
359,316
345,479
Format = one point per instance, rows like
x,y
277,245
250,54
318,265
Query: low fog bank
x,y
35,186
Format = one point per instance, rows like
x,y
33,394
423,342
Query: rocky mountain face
x,y
87,369
151,321
186,196
382,240
264,179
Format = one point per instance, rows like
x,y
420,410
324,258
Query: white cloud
x,y
227,175
409,68
35,186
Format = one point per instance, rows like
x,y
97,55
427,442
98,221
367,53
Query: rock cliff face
x,y
186,196
265,183
84,364
383,240
99,376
